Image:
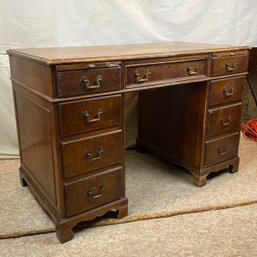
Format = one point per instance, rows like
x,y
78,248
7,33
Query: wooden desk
x,y
70,117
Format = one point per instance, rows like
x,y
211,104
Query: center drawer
x,y
88,115
84,155
90,192
140,74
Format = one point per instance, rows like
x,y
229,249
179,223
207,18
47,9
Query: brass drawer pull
x,y
226,122
223,150
139,79
193,71
229,92
88,118
231,66
92,194
98,156
86,82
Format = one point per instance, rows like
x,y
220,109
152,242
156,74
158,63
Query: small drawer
x,y
88,115
226,90
162,71
84,155
88,81
224,120
224,65
221,149
94,191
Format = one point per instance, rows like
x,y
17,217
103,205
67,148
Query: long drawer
x,y
226,90
90,192
141,74
221,149
88,115
91,153
223,120
88,81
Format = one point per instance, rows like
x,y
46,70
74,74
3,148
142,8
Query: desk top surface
x,y
61,55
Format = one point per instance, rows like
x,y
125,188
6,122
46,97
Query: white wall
x,y
43,23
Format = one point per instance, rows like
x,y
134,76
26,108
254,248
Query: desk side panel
x,y
39,152
34,76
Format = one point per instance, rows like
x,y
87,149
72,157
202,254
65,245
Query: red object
x,y
250,129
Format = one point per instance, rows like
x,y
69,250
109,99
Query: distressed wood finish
x,y
230,63
156,72
171,122
227,90
94,191
69,106
224,120
222,149
89,115
88,80
84,155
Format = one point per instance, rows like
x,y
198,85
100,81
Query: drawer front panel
x,y
89,154
226,90
92,192
147,73
224,120
71,83
88,115
229,65
221,149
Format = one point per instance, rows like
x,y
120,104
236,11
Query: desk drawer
x,y
221,149
93,191
226,90
225,65
79,82
224,120
88,115
161,71
92,153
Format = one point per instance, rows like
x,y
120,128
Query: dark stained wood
x,y
226,65
171,121
88,154
35,143
72,139
224,119
221,149
226,90
93,191
64,227
32,75
159,71
78,116
252,78
71,83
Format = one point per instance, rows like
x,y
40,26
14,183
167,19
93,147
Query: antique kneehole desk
x,y
70,117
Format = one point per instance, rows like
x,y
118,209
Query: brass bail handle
x,y
227,121
92,194
98,156
223,150
86,82
231,66
139,79
229,92
193,71
88,118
